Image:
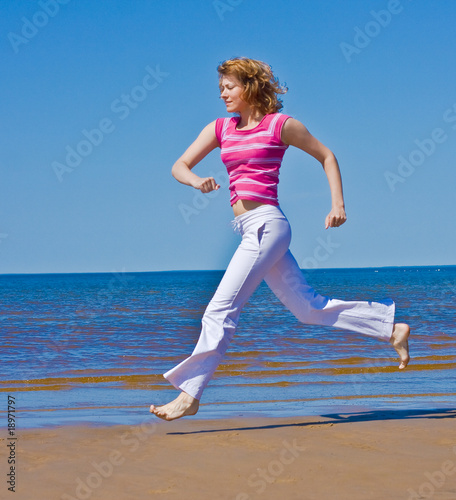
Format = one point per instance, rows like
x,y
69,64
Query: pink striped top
x,y
252,157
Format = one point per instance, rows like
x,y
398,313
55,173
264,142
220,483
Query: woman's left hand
x,y
335,218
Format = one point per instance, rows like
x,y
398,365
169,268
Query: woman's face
x,y
230,91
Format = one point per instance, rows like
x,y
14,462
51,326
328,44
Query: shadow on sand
x,y
343,418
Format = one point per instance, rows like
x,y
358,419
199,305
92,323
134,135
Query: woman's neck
x,y
249,118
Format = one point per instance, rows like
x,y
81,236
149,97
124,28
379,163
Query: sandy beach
x,y
370,455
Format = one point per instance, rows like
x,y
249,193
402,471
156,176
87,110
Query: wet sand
x,y
371,455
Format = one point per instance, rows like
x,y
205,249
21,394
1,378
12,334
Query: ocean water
x,y
93,347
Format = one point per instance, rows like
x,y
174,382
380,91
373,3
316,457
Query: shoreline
x,y
365,455
131,415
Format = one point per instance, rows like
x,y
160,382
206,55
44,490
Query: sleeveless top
x,y
252,157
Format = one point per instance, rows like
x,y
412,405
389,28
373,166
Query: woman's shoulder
x,y
223,125
275,125
226,122
276,119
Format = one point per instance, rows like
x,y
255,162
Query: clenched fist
x,y
335,218
206,185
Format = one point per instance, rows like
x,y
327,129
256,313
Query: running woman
x,y
253,143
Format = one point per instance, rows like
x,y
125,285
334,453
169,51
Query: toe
x,y
159,414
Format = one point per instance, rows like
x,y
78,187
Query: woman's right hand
x,y
206,184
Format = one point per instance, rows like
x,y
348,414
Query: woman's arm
x,y
296,134
201,147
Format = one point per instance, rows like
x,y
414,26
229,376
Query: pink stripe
x,y
253,159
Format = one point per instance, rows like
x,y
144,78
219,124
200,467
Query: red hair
x,y
261,88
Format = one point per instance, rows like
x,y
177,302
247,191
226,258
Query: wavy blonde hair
x,y
261,87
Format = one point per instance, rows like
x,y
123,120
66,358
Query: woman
x,y
252,146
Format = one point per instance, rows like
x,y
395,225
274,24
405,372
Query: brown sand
x,y
378,455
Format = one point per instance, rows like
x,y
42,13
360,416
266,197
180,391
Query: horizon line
x,y
223,270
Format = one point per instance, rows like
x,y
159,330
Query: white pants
x,y
263,254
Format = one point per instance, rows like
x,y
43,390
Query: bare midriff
x,y
242,206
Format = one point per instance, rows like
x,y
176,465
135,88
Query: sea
x,y
92,348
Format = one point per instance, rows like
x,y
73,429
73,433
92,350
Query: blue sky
x,y
374,81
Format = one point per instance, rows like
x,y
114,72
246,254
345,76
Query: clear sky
x,y
98,99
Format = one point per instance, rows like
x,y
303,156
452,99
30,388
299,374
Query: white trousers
x,y
263,254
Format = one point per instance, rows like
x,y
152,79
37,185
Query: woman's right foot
x,y
399,340
182,406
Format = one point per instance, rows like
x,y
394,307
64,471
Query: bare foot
x,y
182,406
399,339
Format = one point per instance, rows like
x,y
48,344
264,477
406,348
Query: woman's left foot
x,y
399,340
182,406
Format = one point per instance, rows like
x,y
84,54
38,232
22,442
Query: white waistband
x,y
264,212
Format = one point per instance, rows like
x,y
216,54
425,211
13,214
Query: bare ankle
x,y
186,397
